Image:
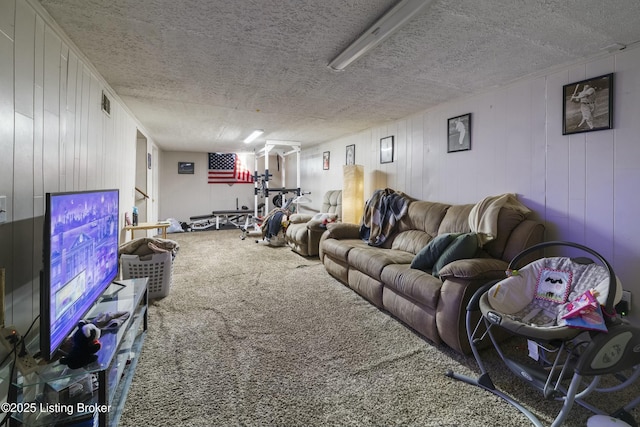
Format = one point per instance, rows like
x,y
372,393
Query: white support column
x,y
298,168
256,185
267,149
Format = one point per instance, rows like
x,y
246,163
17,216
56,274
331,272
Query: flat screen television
x,y
80,260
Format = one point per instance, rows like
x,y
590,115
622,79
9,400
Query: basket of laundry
x,y
152,258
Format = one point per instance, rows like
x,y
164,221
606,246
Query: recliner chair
x,y
304,230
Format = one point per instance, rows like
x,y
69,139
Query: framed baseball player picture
x,y
588,105
459,133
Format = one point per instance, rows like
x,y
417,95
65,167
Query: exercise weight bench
x,y
240,218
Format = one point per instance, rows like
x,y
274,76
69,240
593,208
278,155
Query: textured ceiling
x,y
200,75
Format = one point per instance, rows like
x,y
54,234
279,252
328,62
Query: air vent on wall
x,y
106,104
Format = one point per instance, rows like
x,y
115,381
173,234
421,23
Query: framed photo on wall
x,y
459,133
186,168
588,105
325,160
351,154
386,149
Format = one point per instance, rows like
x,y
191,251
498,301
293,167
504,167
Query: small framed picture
x,y
459,133
186,168
386,149
351,155
588,105
325,160
106,104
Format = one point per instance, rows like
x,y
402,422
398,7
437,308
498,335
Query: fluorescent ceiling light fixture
x,y
256,133
391,21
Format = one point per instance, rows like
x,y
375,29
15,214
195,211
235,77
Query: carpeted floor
x,y
252,335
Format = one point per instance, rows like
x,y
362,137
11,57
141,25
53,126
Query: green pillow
x,y
463,247
428,255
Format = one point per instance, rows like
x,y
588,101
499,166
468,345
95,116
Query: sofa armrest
x,y
299,218
343,230
451,315
525,235
483,269
316,225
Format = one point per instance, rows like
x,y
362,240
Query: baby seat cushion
x,y
538,294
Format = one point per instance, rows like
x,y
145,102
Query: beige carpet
x,y
252,335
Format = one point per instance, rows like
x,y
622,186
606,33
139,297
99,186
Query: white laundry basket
x,y
157,267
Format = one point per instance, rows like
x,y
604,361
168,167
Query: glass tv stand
x,y
95,394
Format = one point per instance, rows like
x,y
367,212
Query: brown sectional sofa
x,y
433,307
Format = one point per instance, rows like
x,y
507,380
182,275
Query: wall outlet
x,y
626,297
624,306
11,339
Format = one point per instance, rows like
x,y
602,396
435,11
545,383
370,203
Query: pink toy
x,y
582,305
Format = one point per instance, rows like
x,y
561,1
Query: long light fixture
x,y
391,21
256,133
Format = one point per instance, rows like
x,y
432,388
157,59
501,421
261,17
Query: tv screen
x,y
80,260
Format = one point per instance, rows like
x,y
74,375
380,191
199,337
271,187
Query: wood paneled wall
x,y
53,137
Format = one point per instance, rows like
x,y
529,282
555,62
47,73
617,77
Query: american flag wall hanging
x,y
226,168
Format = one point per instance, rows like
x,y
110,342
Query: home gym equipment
x,y
282,197
261,181
238,217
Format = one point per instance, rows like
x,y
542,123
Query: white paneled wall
x,y
184,196
53,137
582,186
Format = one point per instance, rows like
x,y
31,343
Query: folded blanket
x,y
483,218
148,246
381,214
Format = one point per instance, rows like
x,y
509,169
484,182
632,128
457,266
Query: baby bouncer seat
x,y
565,309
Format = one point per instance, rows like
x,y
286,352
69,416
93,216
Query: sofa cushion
x,y
428,255
343,230
339,249
464,246
332,203
484,269
371,260
416,285
424,216
410,241
456,220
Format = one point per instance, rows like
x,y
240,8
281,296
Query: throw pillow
x,y
428,255
464,246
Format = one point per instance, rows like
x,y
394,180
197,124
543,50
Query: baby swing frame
x,y
581,358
